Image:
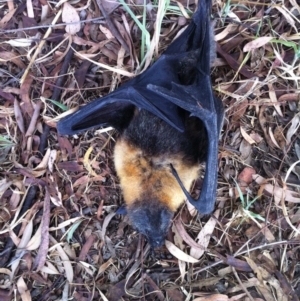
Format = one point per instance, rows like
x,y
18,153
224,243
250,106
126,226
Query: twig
x,y
241,284
112,27
39,48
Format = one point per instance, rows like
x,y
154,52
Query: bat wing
x,y
179,79
198,99
117,109
210,110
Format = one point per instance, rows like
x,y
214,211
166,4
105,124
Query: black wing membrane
x,y
198,99
179,79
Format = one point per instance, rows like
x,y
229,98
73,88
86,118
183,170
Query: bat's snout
x,y
156,242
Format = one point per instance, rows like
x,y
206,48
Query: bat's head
x,y
152,219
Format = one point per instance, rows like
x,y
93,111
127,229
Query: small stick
x,y
39,48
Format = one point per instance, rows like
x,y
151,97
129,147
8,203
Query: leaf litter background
x,y
60,236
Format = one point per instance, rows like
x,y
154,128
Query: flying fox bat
x,y
169,122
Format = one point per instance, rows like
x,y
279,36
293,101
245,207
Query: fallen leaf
x,y
179,254
246,136
23,290
215,297
293,129
259,42
204,235
70,15
246,175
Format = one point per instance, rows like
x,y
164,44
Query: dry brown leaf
x,y
64,259
246,175
6,56
50,269
175,251
22,42
25,89
182,269
215,297
246,136
35,241
4,185
21,246
267,233
241,297
52,159
256,137
279,193
231,28
104,267
70,15
23,290
263,120
274,100
204,235
107,32
41,256
66,223
86,162
29,7
184,235
7,18
279,137
259,42
44,163
19,116
287,16
266,292
293,129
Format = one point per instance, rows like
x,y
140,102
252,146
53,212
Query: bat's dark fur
x,y
169,122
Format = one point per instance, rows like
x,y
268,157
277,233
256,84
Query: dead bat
x,y
169,122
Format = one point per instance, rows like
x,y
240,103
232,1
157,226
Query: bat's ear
x,y
96,114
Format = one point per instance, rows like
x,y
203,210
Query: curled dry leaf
x,y
35,241
295,124
104,267
70,15
184,235
22,42
246,136
179,254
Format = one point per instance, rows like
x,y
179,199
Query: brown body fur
x,y
143,157
142,175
